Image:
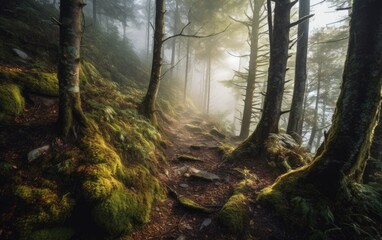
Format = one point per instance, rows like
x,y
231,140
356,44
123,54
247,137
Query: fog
x,y
230,56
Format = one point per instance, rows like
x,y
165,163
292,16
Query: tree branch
x,y
181,34
303,19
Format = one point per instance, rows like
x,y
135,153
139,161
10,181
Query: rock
x,y
181,237
202,174
183,185
21,54
36,153
216,133
196,147
189,158
193,128
205,223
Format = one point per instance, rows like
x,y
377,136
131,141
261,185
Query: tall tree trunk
x,y
295,116
70,111
148,29
275,87
175,29
346,149
186,69
322,126
95,11
208,84
248,101
315,117
147,106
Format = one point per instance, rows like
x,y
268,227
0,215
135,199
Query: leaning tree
x,y
332,181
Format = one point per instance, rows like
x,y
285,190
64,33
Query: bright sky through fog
x,y
325,13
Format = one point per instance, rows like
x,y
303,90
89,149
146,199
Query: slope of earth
x,y
195,144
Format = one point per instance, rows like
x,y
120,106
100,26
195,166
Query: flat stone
x,y
20,53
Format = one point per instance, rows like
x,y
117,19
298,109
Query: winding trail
x,y
190,136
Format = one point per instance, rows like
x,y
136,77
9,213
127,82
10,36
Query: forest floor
x,y
189,136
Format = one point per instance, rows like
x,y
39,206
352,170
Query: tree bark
x,y
95,11
315,117
148,29
295,116
275,86
175,30
70,111
346,149
248,101
186,70
147,106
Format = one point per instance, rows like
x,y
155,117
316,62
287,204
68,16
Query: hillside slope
x,y
105,184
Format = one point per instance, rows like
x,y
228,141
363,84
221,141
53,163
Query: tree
x,y
340,161
146,107
276,78
252,70
295,115
70,111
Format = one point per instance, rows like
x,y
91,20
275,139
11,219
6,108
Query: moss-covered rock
x,y
11,100
234,215
119,196
33,81
58,233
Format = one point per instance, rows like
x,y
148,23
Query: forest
x,y
190,119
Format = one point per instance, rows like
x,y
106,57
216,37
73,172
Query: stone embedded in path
x,y
189,171
202,174
189,158
216,133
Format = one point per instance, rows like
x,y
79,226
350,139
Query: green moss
x,y
188,203
58,233
34,81
234,215
120,196
42,207
11,100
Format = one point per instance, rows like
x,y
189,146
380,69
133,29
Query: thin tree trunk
x,y
208,84
147,107
94,11
70,111
148,29
175,29
248,101
186,69
276,79
315,118
295,116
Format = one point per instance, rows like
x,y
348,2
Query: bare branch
x,y
303,19
284,112
240,21
317,3
239,56
54,20
181,34
343,8
172,67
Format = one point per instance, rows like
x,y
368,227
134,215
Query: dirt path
x,y
170,220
